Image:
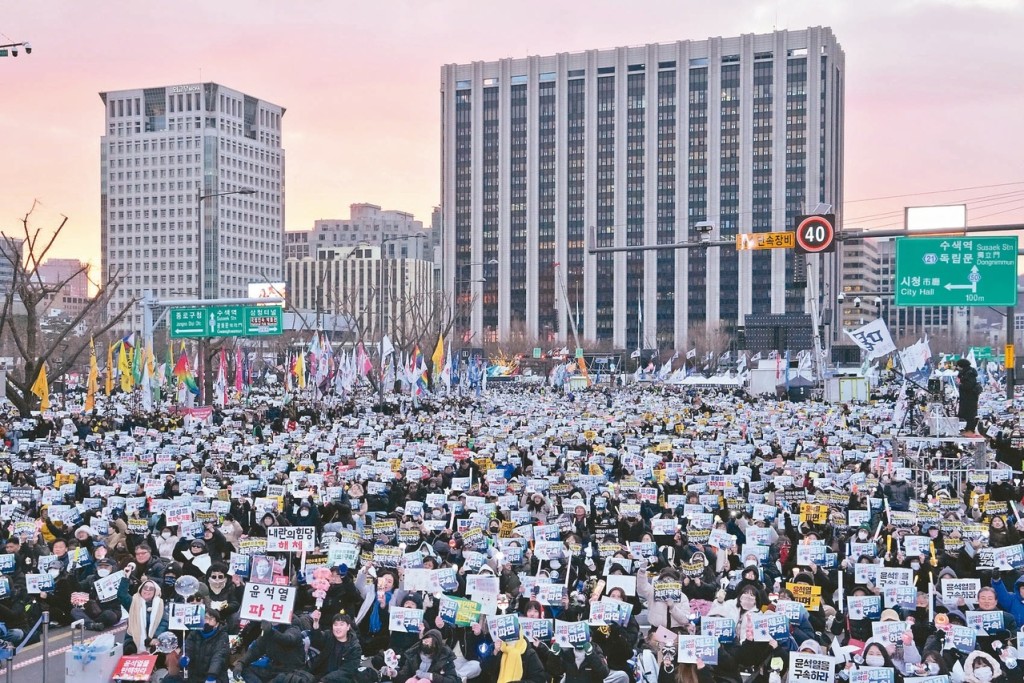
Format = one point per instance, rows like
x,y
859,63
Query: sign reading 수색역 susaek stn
x,y
956,271
225,321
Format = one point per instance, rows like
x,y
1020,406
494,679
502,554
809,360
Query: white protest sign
x,y
267,603
807,668
291,539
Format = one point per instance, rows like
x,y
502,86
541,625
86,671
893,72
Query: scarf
x,y
375,624
512,661
138,629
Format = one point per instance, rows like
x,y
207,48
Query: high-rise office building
x,y
366,225
169,153
640,143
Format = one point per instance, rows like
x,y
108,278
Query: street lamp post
x,y
380,307
203,343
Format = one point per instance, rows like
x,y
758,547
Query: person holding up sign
x,y
519,661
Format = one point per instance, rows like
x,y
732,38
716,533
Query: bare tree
x,y
708,338
24,306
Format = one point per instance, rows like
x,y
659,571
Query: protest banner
x,y
405,619
667,591
864,606
808,668
806,594
267,603
186,616
540,629
722,628
873,674
769,626
458,611
107,586
504,627
569,633
953,590
134,668
291,539
697,648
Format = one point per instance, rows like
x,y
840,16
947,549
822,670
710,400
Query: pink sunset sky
x,y
934,90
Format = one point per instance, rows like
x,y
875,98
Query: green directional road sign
x,y
956,271
234,320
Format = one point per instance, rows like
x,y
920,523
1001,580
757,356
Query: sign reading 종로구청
x,y
233,320
956,271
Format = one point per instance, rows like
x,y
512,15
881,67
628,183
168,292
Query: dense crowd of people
x,y
637,535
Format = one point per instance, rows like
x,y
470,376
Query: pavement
x,y
28,664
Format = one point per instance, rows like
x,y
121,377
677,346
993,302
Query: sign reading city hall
x,y
956,271
225,321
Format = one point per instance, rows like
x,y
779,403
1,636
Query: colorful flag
x,y
110,370
183,373
91,384
41,388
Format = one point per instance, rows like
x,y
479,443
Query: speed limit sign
x,y
815,234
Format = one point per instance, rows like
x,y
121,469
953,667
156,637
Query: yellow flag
x,y
300,371
438,357
124,366
41,388
110,369
94,372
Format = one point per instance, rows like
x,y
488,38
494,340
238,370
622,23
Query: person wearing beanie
x,y
207,651
98,614
225,596
428,661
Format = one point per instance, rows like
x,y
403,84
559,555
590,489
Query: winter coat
x,y
659,613
284,648
334,655
442,666
208,655
1011,602
593,668
969,666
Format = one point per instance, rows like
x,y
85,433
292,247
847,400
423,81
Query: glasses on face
x,y
217,576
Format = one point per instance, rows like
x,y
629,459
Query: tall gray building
x,y
162,149
641,143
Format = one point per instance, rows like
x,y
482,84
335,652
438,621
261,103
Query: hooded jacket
x,y
442,664
1011,602
969,676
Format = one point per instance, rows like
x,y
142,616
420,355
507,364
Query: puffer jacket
x,y
659,613
969,664
1012,602
208,655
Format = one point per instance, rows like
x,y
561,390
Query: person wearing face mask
x,y
429,661
166,542
101,615
58,599
206,652
225,596
306,515
981,667
876,656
